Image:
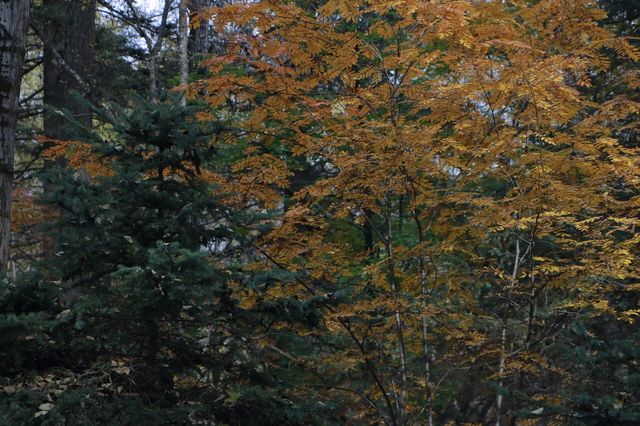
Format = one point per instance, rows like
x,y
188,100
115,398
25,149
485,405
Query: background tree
x,y
14,18
68,30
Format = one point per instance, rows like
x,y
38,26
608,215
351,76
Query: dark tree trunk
x,y
200,43
69,32
200,35
367,230
14,20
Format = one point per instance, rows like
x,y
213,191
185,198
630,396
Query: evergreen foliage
x,y
134,320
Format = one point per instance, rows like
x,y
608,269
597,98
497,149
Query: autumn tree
x,y
461,136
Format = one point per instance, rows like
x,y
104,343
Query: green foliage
x,y
133,320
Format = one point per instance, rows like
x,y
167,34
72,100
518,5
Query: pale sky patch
x,y
150,5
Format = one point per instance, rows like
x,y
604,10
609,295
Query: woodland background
x,y
325,212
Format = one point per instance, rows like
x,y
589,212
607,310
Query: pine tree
x,y
138,317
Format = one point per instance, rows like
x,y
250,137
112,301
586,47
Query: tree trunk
x,y
153,79
69,30
154,48
200,36
14,19
68,34
401,399
425,341
424,293
503,332
184,49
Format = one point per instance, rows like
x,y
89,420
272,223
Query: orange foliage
x,y
415,107
78,155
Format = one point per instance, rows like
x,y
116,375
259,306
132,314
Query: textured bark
x,y
69,37
200,36
14,19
